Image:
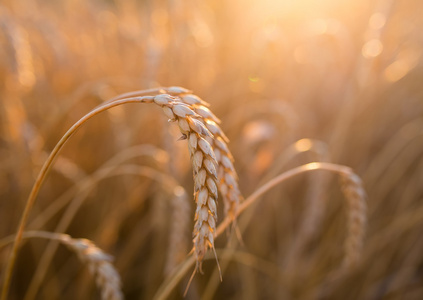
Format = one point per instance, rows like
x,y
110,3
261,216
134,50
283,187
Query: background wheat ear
x,y
99,264
354,193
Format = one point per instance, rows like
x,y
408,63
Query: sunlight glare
x,y
372,48
303,145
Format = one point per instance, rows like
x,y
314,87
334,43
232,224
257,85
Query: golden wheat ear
x,y
226,173
204,170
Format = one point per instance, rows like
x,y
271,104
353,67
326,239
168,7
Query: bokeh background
x,y
292,81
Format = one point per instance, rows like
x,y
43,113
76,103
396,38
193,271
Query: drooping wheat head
x,y
226,174
204,168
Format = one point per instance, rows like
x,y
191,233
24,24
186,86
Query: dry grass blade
x,y
158,155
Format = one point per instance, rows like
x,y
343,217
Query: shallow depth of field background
x,y
292,81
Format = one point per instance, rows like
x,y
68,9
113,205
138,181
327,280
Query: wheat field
x,y
211,149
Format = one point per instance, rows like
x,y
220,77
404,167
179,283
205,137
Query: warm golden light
x,y
407,60
152,127
372,48
303,145
377,21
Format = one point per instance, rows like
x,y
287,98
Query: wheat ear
x,y
99,263
227,176
204,168
355,195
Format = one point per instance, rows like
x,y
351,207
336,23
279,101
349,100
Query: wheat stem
x,y
41,177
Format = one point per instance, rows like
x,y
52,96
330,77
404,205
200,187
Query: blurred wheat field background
x,y
293,82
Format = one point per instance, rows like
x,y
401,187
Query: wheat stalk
x,y
41,177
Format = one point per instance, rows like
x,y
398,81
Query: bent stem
x,y
42,175
282,177
167,287
133,94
